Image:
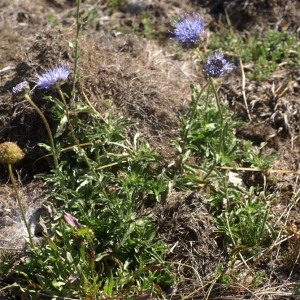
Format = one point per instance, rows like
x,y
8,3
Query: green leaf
x,y
51,244
71,45
69,257
61,127
85,231
297,289
58,284
100,256
45,146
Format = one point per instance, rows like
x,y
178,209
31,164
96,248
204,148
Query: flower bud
x,y
21,89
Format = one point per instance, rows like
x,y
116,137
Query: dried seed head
x,y
10,153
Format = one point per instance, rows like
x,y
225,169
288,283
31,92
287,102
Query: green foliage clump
x,y
207,148
115,4
99,245
260,53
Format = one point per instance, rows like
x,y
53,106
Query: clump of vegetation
x,y
115,4
95,243
261,53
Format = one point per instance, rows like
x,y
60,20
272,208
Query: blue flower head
x,y
51,77
21,89
189,30
216,65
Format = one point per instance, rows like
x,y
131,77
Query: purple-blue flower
x,y
21,88
52,77
216,65
189,30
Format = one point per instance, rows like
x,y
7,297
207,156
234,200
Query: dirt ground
x,y
145,82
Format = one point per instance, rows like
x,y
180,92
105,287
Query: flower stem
x,y
26,96
211,83
188,126
67,113
72,131
78,28
13,180
200,55
192,112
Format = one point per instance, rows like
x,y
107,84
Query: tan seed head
x,y
10,153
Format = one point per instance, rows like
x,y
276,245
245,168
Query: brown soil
x,y
146,83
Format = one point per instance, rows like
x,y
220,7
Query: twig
x,y
260,170
6,69
243,89
92,107
11,249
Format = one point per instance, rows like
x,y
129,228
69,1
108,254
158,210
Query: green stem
x,y
67,114
193,110
200,54
70,126
26,96
78,28
13,180
211,83
72,131
54,153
